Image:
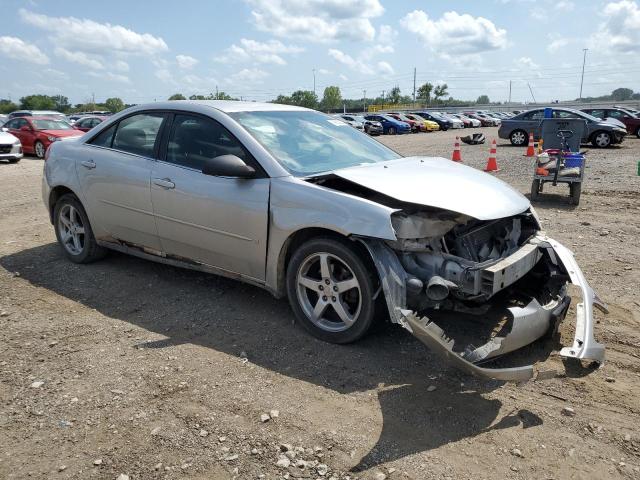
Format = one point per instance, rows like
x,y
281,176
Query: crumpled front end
x,y
475,290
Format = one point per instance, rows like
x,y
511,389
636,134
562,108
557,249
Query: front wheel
x,y
601,139
331,290
638,132
391,131
518,138
74,232
38,149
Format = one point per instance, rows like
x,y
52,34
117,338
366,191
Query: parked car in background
x,y
3,118
474,121
455,122
443,123
599,133
429,125
10,147
630,121
372,127
466,122
280,198
37,133
38,113
87,123
354,121
390,125
415,126
485,121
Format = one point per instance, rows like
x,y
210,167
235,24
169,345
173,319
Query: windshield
x,y
307,143
51,125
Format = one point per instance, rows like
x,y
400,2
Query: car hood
x,y
7,138
63,133
439,183
614,121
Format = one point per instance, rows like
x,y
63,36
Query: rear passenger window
x,y
194,140
137,134
105,138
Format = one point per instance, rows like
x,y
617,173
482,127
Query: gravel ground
x,y
130,369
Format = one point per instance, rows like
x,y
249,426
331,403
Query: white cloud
x,y
110,76
261,52
386,34
556,42
247,76
454,33
360,64
385,68
186,62
620,31
121,66
564,5
90,36
343,77
80,58
317,20
527,62
18,49
324,71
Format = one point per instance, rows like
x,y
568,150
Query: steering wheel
x,y
564,133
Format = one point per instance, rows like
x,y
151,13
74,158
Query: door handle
x,y
164,183
88,164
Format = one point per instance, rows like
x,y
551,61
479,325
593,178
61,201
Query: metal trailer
x,y
565,135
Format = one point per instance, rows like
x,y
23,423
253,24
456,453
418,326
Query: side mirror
x,y
228,166
25,128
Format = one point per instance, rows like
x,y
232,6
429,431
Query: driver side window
x,y
194,140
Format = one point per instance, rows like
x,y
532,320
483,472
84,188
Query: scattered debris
x,y
97,462
265,417
516,452
274,413
569,412
431,388
37,384
283,462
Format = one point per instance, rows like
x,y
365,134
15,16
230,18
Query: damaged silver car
x,y
298,203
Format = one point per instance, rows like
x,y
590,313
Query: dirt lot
x,y
129,367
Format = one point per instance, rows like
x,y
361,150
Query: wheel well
x,y
55,194
301,236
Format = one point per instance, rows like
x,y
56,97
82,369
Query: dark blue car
x,y
390,126
444,123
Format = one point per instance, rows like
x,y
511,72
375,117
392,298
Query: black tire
x,y
38,149
361,271
601,139
519,138
575,189
535,189
391,131
14,160
91,251
638,132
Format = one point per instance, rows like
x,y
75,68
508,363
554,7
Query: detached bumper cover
x,y
529,322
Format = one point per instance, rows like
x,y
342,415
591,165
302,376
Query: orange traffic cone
x,y
456,157
530,149
492,164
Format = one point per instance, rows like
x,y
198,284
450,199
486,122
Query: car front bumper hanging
x,y
529,322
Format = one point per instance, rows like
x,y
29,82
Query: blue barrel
x,y
548,112
575,160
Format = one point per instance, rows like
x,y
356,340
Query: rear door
x,y
115,174
218,221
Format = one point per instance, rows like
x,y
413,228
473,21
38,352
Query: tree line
x,y
331,101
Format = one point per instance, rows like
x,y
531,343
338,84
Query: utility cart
x,y
563,162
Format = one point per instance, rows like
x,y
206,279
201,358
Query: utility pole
x,y
414,85
383,98
364,99
584,59
216,92
534,98
314,81
509,91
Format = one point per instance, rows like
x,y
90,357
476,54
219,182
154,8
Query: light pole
x,y
314,81
584,59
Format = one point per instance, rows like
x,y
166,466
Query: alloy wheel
x,y
603,139
518,138
328,292
39,147
71,230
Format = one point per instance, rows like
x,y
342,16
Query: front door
x,y
115,171
25,136
217,221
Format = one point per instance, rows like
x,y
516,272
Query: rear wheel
x,y
601,139
638,132
38,149
331,290
74,232
519,138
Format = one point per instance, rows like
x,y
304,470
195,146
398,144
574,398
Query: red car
x,y
631,121
415,126
87,123
37,133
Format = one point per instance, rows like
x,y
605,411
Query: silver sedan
x,y
299,203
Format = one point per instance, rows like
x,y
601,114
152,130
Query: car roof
x,y
227,106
